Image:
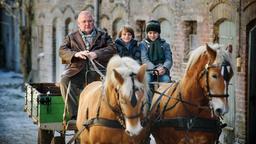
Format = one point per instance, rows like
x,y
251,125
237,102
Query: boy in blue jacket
x,y
156,53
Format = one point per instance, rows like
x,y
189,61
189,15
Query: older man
x,y
86,43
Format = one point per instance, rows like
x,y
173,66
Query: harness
x,y
103,122
119,123
190,123
120,116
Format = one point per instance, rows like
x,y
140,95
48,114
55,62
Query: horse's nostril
x,y
218,111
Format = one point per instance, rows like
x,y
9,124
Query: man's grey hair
x,y
86,12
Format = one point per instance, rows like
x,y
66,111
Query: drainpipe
x,y
238,56
96,4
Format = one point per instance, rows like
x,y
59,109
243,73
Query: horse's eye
x,y
215,76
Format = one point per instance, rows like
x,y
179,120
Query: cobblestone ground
x,y
15,126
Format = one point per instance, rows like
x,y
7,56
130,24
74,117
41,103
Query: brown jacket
x,y
102,45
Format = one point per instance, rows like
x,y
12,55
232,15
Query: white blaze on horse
x,y
112,110
188,111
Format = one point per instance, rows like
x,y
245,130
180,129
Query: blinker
x,y
133,99
225,71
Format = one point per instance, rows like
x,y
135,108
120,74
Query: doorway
x,y
251,117
227,36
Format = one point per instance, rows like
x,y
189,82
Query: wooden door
x,y
227,35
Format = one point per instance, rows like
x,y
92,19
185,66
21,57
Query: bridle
x,y
121,116
225,74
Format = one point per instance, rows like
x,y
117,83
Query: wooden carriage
x,y
45,105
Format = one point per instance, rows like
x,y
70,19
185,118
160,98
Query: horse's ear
x,y
118,77
141,73
211,53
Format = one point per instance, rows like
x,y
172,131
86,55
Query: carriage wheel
x,y
58,140
44,136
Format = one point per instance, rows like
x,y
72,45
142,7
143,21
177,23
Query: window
x,y
41,36
54,45
190,32
140,29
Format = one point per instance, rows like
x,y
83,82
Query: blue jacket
x,y
144,46
132,50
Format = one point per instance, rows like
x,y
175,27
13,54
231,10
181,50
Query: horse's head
x,y
214,74
130,86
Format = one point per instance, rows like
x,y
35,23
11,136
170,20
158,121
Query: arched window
x,y
166,30
69,26
118,23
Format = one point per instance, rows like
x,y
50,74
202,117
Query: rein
x,y
160,97
97,69
182,101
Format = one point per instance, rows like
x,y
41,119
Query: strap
x,y
64,122
97,70
191,124
160,96
76,136
103,122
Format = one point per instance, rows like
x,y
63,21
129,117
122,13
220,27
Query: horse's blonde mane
x,y
222,55
194,56
124,66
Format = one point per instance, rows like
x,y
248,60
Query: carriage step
x,y
71,125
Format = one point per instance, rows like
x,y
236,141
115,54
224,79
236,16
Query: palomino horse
x,y
112,110
188,111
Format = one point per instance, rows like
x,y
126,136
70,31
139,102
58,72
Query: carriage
x,y
116,111
45,105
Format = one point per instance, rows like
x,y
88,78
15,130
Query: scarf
x,y
88,38
156,52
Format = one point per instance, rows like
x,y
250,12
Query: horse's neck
x,y
191,89
191,92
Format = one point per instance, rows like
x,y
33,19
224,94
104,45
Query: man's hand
x,y
82,54
92,55
86,54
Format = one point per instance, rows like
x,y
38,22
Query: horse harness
x,y
120,116
191,123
